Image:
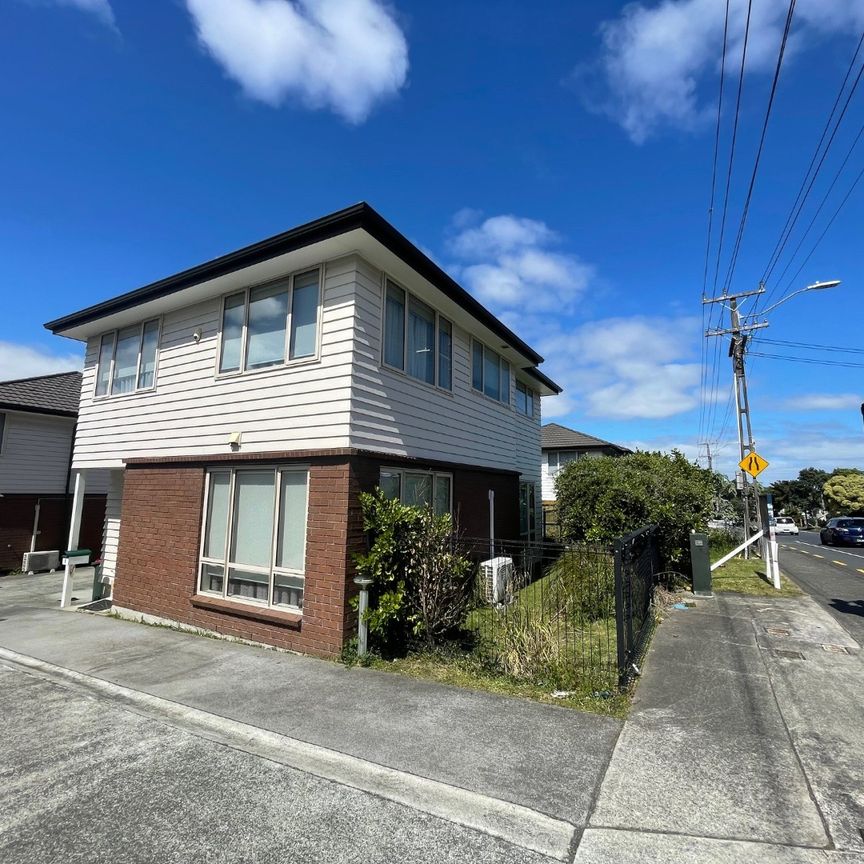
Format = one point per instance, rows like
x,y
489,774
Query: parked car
x,y
843,531
785,525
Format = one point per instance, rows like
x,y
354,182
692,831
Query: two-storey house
x,y
37,430
244,404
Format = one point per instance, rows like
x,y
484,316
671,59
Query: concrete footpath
x,y
746,743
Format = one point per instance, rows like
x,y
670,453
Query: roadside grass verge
x,y
749,577
557,635
472,672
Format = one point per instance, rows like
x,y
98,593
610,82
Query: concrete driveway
x,y
130,742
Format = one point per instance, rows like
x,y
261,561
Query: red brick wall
x,y
157,566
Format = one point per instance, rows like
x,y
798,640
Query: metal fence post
x,y
363,605
619,613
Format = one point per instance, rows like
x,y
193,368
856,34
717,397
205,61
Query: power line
x,y
794,213
827,227
715,376
813,360
737,246
732,148
704,371
822,203
810,346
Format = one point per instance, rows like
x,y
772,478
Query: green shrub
x,y
421,581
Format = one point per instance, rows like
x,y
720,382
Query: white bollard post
x,y
363,605
774,547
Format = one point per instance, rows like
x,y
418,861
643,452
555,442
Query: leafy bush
x,y
421,581
601,499
844,492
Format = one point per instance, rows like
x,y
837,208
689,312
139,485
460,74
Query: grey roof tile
x,y
553,436
46,394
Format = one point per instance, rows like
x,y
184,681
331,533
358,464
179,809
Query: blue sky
x,y
555,157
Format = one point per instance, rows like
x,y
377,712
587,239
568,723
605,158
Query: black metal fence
x,y
570,617
637,563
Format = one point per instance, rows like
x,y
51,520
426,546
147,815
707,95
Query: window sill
x,y
247,610
111,397
264,370
405,376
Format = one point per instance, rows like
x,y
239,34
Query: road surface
x,y
831,575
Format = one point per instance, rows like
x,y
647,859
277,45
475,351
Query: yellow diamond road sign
x,y
753,464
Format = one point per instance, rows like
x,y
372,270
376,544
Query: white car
x,y
785,525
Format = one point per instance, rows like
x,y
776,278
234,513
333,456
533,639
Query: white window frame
x,y
113,335
556,470
401,472
436,339
289,279
530,396
226,564
4,425
501,362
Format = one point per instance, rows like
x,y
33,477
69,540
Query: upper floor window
x,y
2,431
524,399
418,488
266,325
559,459
127,359
416,339
490,373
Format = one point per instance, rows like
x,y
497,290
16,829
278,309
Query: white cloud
x,y
825,402
25,361
344,55
624,368
655,58
100,8
511,263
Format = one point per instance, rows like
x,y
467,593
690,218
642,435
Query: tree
x,y
601,499
801,497
844,492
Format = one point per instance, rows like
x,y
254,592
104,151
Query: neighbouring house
x,y
241,406
561,446
37,431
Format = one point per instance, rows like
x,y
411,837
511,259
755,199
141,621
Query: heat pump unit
x,y
496,575
34,561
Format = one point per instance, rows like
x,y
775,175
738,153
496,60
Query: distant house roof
x,y
556,437
47,394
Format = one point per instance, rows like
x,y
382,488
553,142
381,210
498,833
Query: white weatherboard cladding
x,y
193,412
35,455
394,413
344,400
111,530
548,481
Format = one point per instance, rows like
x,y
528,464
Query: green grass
x,y
473,673
748,577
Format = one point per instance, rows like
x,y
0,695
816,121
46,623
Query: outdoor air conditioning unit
x,y
495,575
34,561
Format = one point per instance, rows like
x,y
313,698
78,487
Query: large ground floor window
x,y
419,488
253,547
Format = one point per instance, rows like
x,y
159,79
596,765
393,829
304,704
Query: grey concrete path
x,y
542,760
746,742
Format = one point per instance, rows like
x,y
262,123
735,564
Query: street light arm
x,y
816,286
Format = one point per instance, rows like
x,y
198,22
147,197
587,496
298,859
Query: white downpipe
x,y
491,524
749,542
74,533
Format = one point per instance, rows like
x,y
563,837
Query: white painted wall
x,y
192,412
547,480
345,399
34,458
111,531
394,413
